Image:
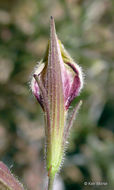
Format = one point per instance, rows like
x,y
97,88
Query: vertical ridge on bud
x,y
56,99
71,120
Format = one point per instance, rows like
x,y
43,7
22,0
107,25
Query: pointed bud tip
x,y
52,27
52,20
51,17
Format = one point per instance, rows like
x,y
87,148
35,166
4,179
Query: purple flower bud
x,y
57,80
71,73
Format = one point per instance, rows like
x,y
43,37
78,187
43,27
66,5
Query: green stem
x,y
50,182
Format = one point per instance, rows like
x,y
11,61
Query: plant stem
x,y
50,183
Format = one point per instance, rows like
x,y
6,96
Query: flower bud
x,y
57,80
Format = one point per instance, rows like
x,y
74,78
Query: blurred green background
x,y
86,29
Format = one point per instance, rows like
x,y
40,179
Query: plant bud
x,y
57,80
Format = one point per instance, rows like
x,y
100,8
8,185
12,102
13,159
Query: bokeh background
x,y
86,29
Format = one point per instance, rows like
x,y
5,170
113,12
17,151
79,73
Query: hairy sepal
x,y
7,180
